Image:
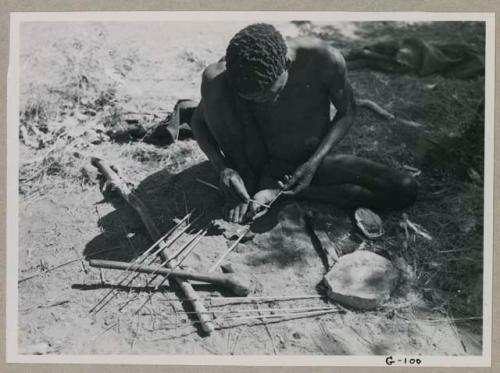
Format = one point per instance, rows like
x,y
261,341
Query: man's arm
x,y
341,96
233,182
206,140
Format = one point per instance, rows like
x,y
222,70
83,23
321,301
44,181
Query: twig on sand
x,y
233,349
272,319
373,106
148,257
275,350
136,333
416,228
369,104
191,246
50,305
249,299
64,264
105,331
284,315
414,171
55,304
42,158
150,280
82,262
187,246
101,276
231,248
260,310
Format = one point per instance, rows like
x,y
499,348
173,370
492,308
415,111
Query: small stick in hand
x,y
217,188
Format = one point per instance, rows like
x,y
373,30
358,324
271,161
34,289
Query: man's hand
x,y
235,210
235,193
261,201
301,178
232,185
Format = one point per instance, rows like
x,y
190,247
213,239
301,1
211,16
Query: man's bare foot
x,y
262,200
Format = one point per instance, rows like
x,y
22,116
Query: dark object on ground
x,y
238,284
413,55
174,127
128,131
362,280
320,239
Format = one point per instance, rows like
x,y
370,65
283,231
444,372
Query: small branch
x,y
63,265
231,248
267,206
416,228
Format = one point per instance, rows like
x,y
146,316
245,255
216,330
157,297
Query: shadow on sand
x,y
167,197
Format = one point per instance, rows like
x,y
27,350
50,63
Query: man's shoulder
x,y
212,83
321,51
214,70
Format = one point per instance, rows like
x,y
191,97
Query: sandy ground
x,y
281,261
65,221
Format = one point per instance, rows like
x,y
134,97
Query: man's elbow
x,y
352,108
349,112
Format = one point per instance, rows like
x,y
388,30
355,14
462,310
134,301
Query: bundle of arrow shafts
x,y
222,318
130,270
265,310
173,249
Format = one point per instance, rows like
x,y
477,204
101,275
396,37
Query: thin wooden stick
x,y
249,299
218,189
208,184
197,237
138,274
417,228
306,313
280,318
288,309
165,262
188,251
231,248
174,256
125,274
236,342
130,271
268,206
64,264
268,330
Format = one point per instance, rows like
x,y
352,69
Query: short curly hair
x,y
255,58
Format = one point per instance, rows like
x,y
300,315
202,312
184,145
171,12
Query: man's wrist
x,y
314,162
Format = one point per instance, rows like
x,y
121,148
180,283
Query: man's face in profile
x,y
270,94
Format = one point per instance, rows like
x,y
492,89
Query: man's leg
x,y
351,181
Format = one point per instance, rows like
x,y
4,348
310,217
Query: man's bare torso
x,y
293,126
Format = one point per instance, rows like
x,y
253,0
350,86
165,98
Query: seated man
x,y
264,123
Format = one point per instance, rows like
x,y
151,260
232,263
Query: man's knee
x,y
339,160
407,189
